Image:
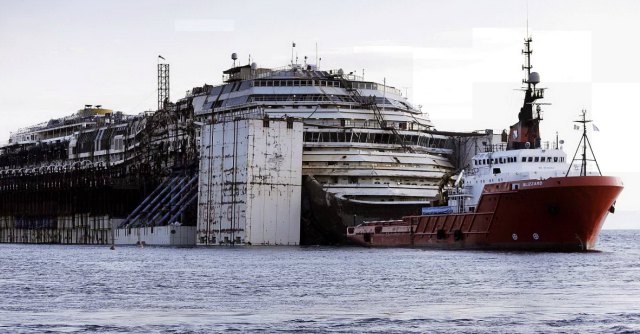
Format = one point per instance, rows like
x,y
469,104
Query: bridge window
x,y
555,159
530,159
537,159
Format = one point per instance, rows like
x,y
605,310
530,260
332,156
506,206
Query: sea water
x,y
87,289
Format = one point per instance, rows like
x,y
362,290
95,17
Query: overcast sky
x,y
459,60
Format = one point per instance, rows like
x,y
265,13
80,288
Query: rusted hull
x,y
325,217
557,214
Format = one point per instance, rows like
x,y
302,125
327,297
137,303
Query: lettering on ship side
x,y
531,184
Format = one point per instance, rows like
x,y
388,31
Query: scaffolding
x,y
163,86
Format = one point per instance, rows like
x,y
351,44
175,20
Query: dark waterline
x,y
82,289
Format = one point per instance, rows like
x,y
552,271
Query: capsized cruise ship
x,y
367,154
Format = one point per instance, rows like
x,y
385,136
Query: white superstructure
x,y
363,141
505,166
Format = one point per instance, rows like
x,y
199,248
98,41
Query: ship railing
x,y
253,113
276,71
57,166
458,192
283,71
236,108
290,102
503,146
44,125
496,147
300,72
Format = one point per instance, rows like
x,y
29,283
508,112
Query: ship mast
x,y
526,133
584,141
527,58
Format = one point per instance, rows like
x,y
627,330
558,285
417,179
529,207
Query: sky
x,y
458,59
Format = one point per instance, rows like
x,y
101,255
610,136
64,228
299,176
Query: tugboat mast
x,y
584,141
527,52
526,133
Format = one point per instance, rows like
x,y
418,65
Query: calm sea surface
x,y
81,289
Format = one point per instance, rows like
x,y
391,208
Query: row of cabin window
x,y
495,161
376,138
294,83
323,83
513,159
542,159
302,98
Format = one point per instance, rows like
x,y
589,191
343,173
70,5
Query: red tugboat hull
x,y
556,214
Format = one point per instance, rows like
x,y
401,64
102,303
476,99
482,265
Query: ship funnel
x,y
534,78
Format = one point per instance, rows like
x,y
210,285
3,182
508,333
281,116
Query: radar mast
x,y
526,133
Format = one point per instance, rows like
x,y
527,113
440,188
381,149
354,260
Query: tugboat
x,y
524,197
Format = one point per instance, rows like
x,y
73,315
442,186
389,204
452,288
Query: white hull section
x,y
170,235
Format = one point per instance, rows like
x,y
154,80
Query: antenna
x,y
317,66
527,57
527,18
384,93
